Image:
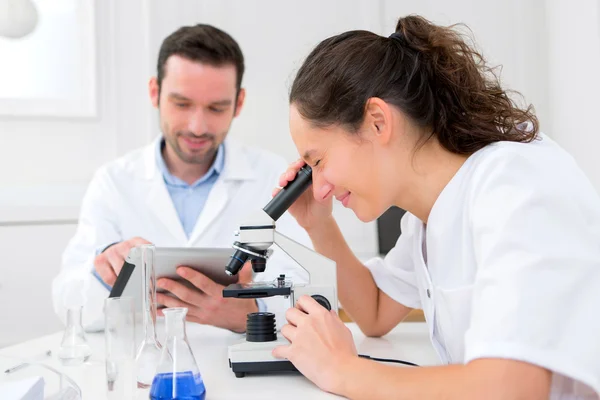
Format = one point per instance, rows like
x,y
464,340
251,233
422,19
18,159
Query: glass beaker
x,y
57,384
74,348
148,353
177,376
119,336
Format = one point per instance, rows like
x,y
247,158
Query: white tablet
x,y
209,261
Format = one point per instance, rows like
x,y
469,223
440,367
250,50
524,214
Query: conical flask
x,y
74,348
177,376
148,353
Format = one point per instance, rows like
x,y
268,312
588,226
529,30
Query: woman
x,y
500,244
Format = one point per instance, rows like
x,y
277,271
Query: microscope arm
x,y
321,270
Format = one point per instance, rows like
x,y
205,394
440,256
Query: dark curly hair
x,y
429,72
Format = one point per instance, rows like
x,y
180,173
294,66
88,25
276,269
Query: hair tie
x,y
398,36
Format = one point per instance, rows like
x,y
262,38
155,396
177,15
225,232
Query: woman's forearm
x,y
357,290
488,379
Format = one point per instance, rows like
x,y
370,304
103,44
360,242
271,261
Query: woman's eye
x,y
317,163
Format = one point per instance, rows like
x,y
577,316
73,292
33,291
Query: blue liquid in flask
x,y
182,386
177,376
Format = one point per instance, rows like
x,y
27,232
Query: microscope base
x,y
255,358
241,369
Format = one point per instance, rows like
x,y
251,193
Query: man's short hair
x,y
202,43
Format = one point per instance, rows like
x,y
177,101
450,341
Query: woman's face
x,y
351,167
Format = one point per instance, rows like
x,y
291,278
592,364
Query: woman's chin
x,y
364,215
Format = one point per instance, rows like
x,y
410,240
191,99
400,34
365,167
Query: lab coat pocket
x,y
453,316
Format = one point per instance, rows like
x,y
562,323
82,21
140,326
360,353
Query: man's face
x,y
197,103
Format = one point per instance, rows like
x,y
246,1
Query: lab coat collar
x,y
237,166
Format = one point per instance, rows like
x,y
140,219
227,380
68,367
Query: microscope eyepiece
x,y
236,262
288,195
275,209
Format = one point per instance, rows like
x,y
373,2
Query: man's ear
x,y
378,120
240,101
153,91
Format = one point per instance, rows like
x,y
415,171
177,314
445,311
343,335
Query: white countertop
x,y
408,341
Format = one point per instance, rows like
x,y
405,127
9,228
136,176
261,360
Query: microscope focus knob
x,y
322,300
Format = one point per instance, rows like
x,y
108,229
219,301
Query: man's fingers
x,y
245,274
182,292
170,301
136,241
104,270
309,305
107,274
281,352
115,260
124,247
194,313
201,281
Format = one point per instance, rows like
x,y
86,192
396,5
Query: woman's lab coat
x,y
508,265
128,198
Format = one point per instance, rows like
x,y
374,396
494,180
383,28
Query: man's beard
x,y
203,157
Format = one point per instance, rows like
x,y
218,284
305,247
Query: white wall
x,y
48,161
510,33
43,150
574,70
45,164
28,267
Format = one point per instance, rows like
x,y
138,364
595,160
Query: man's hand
x,y
207,305
108,264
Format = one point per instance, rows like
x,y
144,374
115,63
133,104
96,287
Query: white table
x,y
408,341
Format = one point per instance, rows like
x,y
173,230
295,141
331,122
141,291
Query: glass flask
x,y
119,336
148,353
177,376
74,348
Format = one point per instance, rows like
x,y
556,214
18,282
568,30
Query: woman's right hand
x,y
308,212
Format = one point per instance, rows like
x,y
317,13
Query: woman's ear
x,y
378,120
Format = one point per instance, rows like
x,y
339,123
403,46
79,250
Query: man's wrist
x,y
252,307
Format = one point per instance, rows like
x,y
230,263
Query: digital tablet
x,y
209,261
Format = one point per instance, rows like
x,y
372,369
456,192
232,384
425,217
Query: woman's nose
x,y
321,188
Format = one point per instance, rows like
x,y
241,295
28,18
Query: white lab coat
x,y
128,198
508,265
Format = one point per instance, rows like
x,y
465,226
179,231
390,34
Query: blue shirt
x,y
189,200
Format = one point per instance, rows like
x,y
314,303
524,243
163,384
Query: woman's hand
x,y
320,344
307,211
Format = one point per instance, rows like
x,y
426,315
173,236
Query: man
x,y
191,187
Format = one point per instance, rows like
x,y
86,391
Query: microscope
x,y
255,238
